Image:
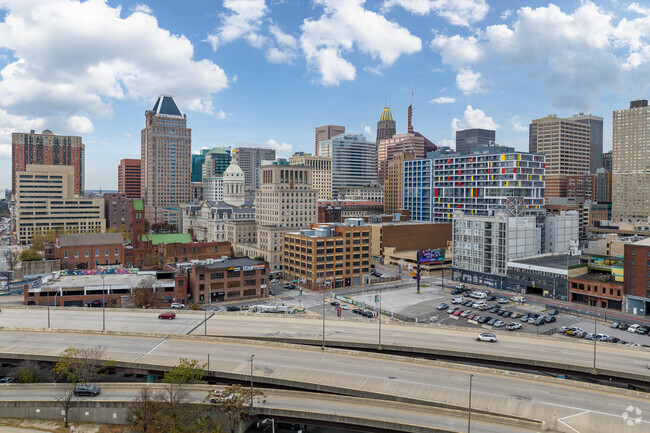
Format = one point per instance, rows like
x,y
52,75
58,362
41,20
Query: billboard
x,y
431,256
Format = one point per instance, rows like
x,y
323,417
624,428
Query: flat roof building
x,y
128,178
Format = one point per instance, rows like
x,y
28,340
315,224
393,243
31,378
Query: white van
x,y
633,328
478,295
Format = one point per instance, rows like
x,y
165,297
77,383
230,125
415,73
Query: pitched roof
x,y
79,240
165,104
138,204
386,115
170,238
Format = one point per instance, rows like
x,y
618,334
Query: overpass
x,y
425,386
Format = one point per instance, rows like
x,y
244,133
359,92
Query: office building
x,y
566,145
411,142
117,211
546,275
196,191
371,192
48,149
212,188
354,161
216,162
599,283
394,185
166,158
197,166
468,139
128,178
595,124
321,172
399,240
477,183
250,161
631,163
327,256
386,127
325,133
233,184
45,200
339,210
607,160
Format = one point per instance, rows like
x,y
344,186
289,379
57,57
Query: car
x,y
478,304
633,344
456,292
343,307
550,319
502,301
525,318
7,379
553,313
539,321
168,315
614,325
273,280
490,298
233,308
623,326
177,305
472,316
590,336
531,319
501,312
499,324
287,426
483,307
491,322
217,395
486,336
600,336
457,300
515,315
442,306
465,313
513,326
579,334
271,292
334,304
215,308
357,311
460,287
86,389
494,309
633,328
291,287
570,330
286,285
643,330
468,303
451,310
484,319
368,314
458,312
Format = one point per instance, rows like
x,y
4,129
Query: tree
x,y
144,410
81,365
29,372
147,226
187,371
143,295
175,416
30,255
234,401
39,240
66,400
232,252
120,229
12,258
259,258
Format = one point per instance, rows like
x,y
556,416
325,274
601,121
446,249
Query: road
x,y
584,409
427,337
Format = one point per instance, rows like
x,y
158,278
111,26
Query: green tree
x,y
29,372
30,255
187,371
39,240
147,226
259,258
81,365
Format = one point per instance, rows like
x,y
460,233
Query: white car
x,y
177,305
633,328
457,301
486,336
344,307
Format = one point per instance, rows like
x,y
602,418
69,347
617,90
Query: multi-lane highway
x,y
348,372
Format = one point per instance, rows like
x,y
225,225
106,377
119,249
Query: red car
x,y
168,315
458,312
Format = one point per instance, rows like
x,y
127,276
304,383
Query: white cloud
x,y
244,21
473,118
564,49
221,114
10,123
469,81
282,149
445,142
80,125
442,100
368,130
286,46
344,26
517,126
457,12
142,8
506,14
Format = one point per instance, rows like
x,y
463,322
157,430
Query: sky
x,y
267,72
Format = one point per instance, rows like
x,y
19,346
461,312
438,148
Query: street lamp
x,y
379,317
103,305
469,406
252,356
594,371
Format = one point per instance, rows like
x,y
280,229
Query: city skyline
x,y
250,76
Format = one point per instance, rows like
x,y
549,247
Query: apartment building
x,y
394,185
354,161
371,192
321,172
128,178
636,284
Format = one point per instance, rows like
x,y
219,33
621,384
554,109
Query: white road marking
x,y
154,348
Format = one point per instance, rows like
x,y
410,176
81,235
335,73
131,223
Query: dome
x,y
233,170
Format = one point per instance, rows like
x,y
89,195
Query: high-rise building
x,y
46,200
469,139
325,133
197,165
117,211
631,163
354,160
128,177
216,162
607,160
212,188
386,126
595,124
394,185
477,183
566,145
166,158
250,161
411,142
48,149
321,173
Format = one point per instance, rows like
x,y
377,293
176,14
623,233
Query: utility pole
x,y
205,320
323,318
379,317
442,284
103,305
252,389
418,277
594,371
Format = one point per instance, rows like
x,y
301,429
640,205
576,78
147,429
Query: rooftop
x,y
87,239
348,203
138,204
165,104
219,264
550,261
643,242
112,281
169,238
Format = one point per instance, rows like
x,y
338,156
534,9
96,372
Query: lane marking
x,y
154,348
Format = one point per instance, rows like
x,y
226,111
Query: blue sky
x,y
266,72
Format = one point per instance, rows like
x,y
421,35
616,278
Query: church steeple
x,y
386,126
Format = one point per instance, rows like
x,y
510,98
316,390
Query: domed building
x,y
233,184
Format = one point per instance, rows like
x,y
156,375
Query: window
x,y
233,273
97,252
106,252
87,253
632,252
117,251
76,254
201,277
201,287
216,275
65,254
251,282
632,261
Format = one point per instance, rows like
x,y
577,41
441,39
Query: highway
x,y
420,338
566,406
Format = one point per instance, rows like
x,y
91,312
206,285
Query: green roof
x,y
138,204
219,150
171,238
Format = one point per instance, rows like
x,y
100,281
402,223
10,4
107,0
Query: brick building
x,y
637,278
87,251
224,280
128,177
333,255
117,211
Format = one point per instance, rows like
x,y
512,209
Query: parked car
x,y
168,315
86,389
503,301
499,324
494,309
563,329
271,292
525,318
486,336
465,313
442,306
334,304
513,326
550,319
458,312
460,287
286,285
600,336
7,379
291,287
368,314
451,310
515,315
357,311
633,328
642,330
233,308
490,298
484,319
623,326
177,305
491,322
614,325
457,300
468,303
539,321
456,291
553,313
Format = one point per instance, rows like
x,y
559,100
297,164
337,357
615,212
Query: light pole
x,y
594,371
103,306
469,406
323,347
379,317
252,356
272,423
205,320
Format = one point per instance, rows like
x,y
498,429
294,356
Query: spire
x,y
386,115
410,130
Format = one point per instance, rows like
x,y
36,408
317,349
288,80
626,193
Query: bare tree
x,y
66,400
144,411
176,415
234,401
143,295
12,258
81,365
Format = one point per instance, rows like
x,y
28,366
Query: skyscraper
x,y
250,160
631,163
197,165
469,139
386,125
354,160
607,160
216,162
326,132
128,177
595,137
394,185
166,156
48,149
